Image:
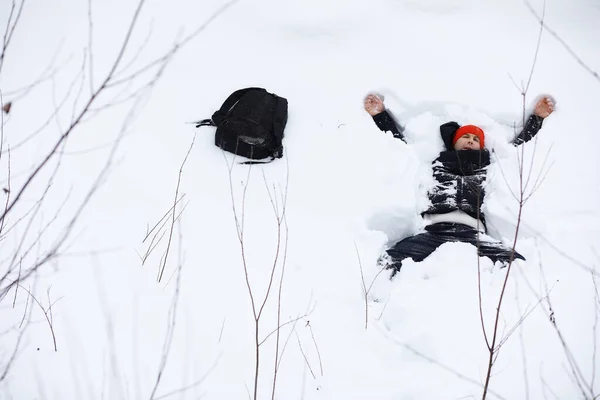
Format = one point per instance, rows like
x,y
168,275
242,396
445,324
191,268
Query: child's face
x,y
468,141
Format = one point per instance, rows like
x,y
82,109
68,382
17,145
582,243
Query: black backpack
x,y
250,123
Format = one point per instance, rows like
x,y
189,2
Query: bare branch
x,y
316,347
480,300
522,343
595,332
172,318
81,114
15,351
364,286
293,329
541,176
521,320
2,112
443,366
177,46
162,268
192,385
492,345
537,49
6,190
51,117
48,73
278,245
563,43
575,371
505,179
546,386
81,77
10,30
46,315
280,291
304,355
292,321
366,290
91,46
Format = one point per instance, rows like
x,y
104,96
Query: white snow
x,y
349,192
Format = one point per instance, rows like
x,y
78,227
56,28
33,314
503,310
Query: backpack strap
x,y
204,122
256,162
279,122
218,116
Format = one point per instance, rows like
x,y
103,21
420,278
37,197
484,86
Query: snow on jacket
x,y
460,175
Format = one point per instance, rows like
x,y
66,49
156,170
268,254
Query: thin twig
x,y
13,355
17,285
364,287
280,291
2,126
240,232
304,355
80,116
91,46
25,312
10,30
7,190
292,331
172,318
493,349
164,218
278,246
292,321
594,333
522,343
48,73
45,311
192,385
563,43
177,46
521,320
545,386
441,365
575,371
222,328
480,300
505,178
316,347
537,47
81,78
175,201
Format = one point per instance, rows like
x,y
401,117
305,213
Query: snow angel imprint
x,y
460,171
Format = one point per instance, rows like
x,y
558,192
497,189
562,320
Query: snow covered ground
x,y
347,189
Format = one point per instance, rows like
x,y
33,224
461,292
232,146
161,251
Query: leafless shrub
x,y
29,240
366,290
258,302
173,214
495,340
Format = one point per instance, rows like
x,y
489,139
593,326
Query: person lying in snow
x,y
460,170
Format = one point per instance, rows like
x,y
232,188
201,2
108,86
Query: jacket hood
x,y
447,131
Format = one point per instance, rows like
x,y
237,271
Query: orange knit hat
x,y
475,130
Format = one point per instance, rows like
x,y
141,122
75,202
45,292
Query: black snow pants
x,y
420,246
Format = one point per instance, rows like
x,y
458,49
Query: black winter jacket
x,y
459,175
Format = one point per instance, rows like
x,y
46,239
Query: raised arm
x,y
543,108
384,121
